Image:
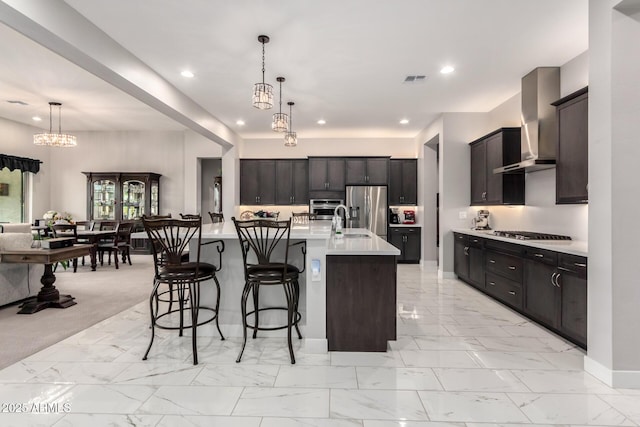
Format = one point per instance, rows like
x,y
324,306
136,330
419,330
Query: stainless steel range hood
x,y
540,88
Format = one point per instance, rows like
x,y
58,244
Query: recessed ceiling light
x,y
36,119
404,121
322,122
240,122
187,73
447,69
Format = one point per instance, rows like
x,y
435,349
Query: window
x,y
12,195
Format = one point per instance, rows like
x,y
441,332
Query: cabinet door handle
x,y
512,292
579,264
492,283
558,280
511,267
466,250
538,255
553,276
492,261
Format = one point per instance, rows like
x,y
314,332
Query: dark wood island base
x,y
361,302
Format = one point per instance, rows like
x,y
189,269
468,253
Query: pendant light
x,y
290,138
280,120
55,139
263,92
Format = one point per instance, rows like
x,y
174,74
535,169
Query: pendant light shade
x,y
290,138
55,139
263,92
280,120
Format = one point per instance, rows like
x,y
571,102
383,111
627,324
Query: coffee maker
x,y
481,221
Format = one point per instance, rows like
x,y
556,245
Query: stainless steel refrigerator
x,y
367,206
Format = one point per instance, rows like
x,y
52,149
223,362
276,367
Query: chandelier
x,y
280,120
55,139
263,92
290,138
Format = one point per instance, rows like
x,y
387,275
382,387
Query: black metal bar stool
x,y
259,239
170,239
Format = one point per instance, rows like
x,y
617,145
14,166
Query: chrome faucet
x,y
336,223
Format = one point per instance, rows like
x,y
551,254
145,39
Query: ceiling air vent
x,y
415,79
12,101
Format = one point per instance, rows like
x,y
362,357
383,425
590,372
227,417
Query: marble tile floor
x,y
461,359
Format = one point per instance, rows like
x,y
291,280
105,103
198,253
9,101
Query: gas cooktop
x,y
530,235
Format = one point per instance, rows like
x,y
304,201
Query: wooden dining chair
x,y
66,230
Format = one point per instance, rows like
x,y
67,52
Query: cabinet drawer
x,y
505,265
575,264
505,290
458,237
499,246
541,255
476,242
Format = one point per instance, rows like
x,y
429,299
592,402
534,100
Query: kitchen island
x,y
358,246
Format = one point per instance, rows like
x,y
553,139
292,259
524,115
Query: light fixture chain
x,y
50,119
60,119
262,62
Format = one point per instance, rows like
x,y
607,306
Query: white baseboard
x,y
316,345
615,379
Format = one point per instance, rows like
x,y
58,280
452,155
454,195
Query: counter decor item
x,y
54,217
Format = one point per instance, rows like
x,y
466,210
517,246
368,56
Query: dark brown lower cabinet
x,y
361,302
547,286
469,259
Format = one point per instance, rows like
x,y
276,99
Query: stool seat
x,y
272,271
187,270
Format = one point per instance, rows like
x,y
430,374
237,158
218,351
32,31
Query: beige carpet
x,y
99,295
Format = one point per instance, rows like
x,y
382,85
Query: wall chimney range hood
x,y
538,141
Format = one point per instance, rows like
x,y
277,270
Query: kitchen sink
x,y
355,236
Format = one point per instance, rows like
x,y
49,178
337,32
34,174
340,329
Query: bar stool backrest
x,y
262,237
170,239
216,217
302,217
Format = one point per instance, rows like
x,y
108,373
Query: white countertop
x,y
314,230
404,225
372,245
573,247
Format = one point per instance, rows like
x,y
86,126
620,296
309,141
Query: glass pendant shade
x,y
280,121
55,139
262,96
290,138
262,92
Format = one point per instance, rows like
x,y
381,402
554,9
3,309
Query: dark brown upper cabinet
x,y
367,170
572,153
292,182
326,174
403,182
257,181
499,148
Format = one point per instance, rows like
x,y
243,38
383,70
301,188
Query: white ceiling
x,y
343,60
